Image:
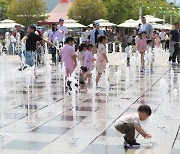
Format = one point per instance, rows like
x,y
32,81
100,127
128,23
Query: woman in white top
x,y
84,36
102,59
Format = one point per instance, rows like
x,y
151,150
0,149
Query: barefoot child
x,y
102,59
141,46
129,123
128,51
68,56
82,50
150,54
88,60
157,41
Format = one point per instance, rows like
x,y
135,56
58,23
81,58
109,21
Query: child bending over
x,y
129,123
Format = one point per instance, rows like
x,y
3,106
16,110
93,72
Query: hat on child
x,y
61,19
97,23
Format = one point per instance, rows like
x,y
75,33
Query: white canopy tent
x,y
168,26
7,23
103,23
72,24
129,24
150,18
161,26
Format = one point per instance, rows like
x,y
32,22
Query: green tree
x,y
121,10
86,11
160,8
3,8
26,12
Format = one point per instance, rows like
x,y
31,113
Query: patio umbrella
x,y
103,23
130,23
161,26
150,18
72,24
7,23
168,26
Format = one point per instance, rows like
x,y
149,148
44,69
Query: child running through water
x,y
150,55
68,56
102,59
157,41
129,123
88,61
128,51
82,50
141,46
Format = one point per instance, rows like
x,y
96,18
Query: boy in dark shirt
x,y
30,41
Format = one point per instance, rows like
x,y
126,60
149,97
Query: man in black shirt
x,y
30,41
174,42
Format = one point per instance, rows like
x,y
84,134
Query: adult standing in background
x,y
88,34
84,36
63,31
174,36
54,37
20,31
162,35
96,33
146,27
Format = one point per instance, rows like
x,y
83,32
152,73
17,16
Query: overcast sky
x,y
177,1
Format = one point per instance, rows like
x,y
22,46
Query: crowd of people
x,y
147,39
93,41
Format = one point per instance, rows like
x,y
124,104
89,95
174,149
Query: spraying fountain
x,y
107,86
127,79
59,73
94,104
29,79
78,70
163,93
178,78
118,85
48,86
56,43
7,41
18,42
133,67
114,47
107,51
3,100
64,80
73,94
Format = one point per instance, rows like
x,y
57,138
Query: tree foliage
x,y
121,10
3,6
86,11
26,12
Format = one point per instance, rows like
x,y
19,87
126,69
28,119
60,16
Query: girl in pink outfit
x,y
88,61
141,46
157,41
68,56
